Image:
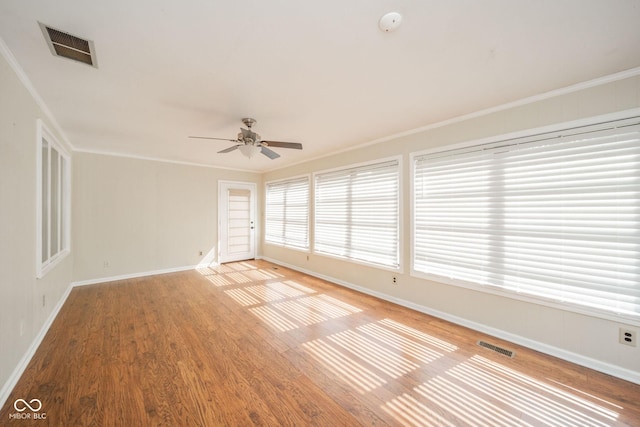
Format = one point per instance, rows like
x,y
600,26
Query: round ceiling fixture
x,y
390,21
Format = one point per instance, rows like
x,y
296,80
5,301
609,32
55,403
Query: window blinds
x,y
555,216
357,213
287,213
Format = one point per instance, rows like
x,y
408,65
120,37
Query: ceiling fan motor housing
x,y
248,121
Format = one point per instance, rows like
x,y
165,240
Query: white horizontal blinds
x,y
556,216
287,213
572,220
453,218
357,213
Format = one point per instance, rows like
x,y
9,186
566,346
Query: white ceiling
x,y
320,73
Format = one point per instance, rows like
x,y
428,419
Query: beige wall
x,y
22,313
142,216
561,332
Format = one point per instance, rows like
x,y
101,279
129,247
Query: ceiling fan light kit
x,y
249,150
250,143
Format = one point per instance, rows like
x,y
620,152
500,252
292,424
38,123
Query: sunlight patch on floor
x,y
329,306
218,280
261,274
286,289
239,277
479,391
410,412
242,297
416,350
299,312
384,355
273,318
349,371
418,335
300,287
391,362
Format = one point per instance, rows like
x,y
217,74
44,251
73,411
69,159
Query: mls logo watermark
x,y
34,406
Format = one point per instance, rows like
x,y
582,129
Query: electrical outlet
x,y
628,337
106,264
200,253
395,280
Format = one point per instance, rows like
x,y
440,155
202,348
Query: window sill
x,y
533,299
293,248
43,269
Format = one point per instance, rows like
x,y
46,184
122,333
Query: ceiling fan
x,y
249,143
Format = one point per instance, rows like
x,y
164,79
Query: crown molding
x,y
633,72
15,66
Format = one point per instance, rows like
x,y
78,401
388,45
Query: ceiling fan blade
x,y
219,139
230,149
269,153
279,144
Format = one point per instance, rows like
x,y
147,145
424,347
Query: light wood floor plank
x,y
253,343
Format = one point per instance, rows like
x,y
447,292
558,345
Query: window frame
x,y
400,222
306,177
44,264
495,290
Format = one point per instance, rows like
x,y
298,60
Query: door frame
x,y
223,187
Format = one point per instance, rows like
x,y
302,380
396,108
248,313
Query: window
x,y
287,213
53,201
554,216
357,213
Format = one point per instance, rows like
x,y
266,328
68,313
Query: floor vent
x,y
497,349
69,46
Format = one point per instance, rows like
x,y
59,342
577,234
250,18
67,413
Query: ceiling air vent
x,y
69,46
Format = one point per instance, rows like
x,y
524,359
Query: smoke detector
x,y
390,21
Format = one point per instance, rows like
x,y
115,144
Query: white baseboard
x,y
597,365
8,386
136,275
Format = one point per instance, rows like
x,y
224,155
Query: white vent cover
x,y
69,46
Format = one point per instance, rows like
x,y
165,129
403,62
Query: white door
x,y
236,210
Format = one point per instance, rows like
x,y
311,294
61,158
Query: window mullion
x,y
496,220
48,249
349,217
59,204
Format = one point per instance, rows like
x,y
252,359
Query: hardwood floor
x,y
252,343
